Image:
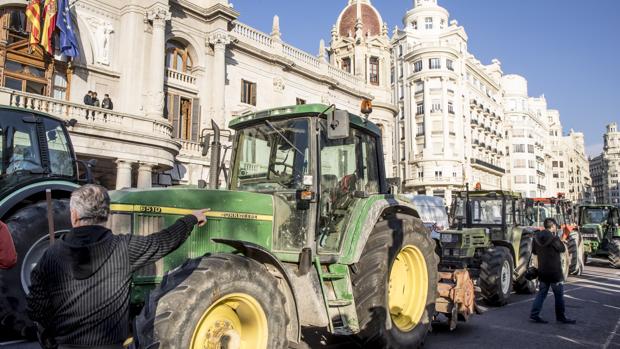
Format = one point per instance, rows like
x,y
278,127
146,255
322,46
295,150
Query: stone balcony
x,y
180,80
104,133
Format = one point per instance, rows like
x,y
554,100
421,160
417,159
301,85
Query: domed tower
x,y
360,46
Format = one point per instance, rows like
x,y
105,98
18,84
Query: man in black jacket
x,y
548,247
80,289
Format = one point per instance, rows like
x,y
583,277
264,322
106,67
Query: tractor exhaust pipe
x,y
216,148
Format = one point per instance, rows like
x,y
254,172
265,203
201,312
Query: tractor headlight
x,y
449,238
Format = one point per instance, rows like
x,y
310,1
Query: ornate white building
x,y
450,129
605,168
172,66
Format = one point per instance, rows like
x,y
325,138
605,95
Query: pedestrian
x,y
8,257
107,102
95,102
88,98
548,247
79,296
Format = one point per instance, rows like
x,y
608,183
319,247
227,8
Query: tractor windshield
x,y
595,216
484,210
272,156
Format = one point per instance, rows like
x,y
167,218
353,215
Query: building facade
x,y
171,67
605,168
450,125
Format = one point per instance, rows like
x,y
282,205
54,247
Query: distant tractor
x,y
38,172
598,225
488,237
306,234
560,209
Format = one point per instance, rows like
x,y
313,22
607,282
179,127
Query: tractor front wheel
x,y
395,281
522,284
614,253
222,301
496,272
29,229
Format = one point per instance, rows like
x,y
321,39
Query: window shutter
x,y
176,109
195,119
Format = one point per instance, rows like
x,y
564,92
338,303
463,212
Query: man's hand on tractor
x,y
201,216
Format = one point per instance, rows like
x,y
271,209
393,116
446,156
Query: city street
x,y
593,299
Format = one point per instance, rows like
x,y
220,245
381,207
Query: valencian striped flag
x,y
33,12
68,42
49,25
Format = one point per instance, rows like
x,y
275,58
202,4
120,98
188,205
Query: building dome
x,y
359,10
514,85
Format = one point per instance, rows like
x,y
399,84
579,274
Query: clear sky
x,y
568,50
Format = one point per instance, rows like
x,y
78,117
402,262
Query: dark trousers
x,y
558,294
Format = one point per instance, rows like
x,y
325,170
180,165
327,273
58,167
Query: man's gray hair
x,y
91,202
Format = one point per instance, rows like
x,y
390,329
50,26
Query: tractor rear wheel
x,y
496,272
221,301
29,229
614,253
523,285
395,281
575,251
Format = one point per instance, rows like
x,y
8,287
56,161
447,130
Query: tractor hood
x,y
233,215
465,237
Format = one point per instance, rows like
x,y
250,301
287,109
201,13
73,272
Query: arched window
x,y
178,58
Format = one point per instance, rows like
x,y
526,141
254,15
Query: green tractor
x,y
598,225
488,238
38,172
305,234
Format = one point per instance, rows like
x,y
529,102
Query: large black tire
x,y
521,284
370,278
496,272
175,308
575,251
614,253
27,226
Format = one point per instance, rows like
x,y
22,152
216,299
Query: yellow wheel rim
x,y
408,288
235,321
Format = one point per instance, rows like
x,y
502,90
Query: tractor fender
x,y
377,210
509,246
60,189
261,255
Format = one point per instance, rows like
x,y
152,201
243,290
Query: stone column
x,y
219,40
158,16
145,175
123,174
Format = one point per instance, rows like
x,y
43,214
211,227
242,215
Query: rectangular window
x,y
420,131
561,164
420,174
346,64
532,180
438,174
417,66
374,70
554,164
518,148
300,101
531,163
428,23
450,107
518,132
530,148
451,128
248,92
450,64
436,106
520,179
519,163
419,87
420,109
434,63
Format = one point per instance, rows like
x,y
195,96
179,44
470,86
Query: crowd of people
x,y
91,99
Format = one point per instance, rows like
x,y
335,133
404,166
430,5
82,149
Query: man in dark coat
x,y
79,297
107,102
548,247
88,98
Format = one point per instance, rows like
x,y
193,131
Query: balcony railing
x,y
487,165
174,76
88,115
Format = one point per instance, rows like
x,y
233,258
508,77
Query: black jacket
x,y
549,248
88,100
80,287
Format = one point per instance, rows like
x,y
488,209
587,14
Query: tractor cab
x,y
596,221
496,210
539,209
33,148
316,162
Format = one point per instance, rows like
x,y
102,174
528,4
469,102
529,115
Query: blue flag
x,y
68,43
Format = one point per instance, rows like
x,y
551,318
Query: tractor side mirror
x,y
338,124
206,143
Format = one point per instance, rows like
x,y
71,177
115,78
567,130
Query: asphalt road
x,y
593,299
